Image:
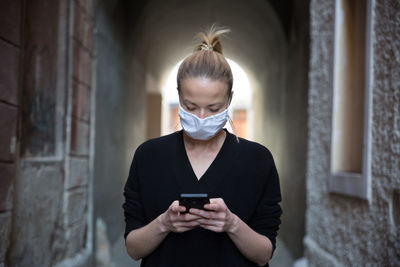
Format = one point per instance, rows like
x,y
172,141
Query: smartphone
x,y
193,201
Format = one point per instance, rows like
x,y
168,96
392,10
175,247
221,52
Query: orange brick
x,y
79,137
81,101
82,64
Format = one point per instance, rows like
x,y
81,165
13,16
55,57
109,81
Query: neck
x,y
215,141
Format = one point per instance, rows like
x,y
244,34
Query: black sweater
x,y
243,174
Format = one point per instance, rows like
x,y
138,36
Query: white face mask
x,y
202,129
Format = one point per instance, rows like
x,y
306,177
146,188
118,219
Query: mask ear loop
x,y
233,128
230,119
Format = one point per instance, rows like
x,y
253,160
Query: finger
x,y
205,222
183,229
190,224
178,209
199,212
203,213
173,205
189,217
216,200
212,228
213,206
174,209
181,208
218,207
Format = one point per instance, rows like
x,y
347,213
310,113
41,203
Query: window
x,y
351,100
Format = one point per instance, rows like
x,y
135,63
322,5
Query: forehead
x,y
203,88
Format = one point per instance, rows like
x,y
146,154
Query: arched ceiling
x,y
164,31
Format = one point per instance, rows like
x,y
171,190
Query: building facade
x,y
46,136
75,81
352,216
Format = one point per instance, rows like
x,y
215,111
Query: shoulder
x,y
158,144
253,150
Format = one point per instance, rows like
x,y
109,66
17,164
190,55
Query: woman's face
x,y
203,96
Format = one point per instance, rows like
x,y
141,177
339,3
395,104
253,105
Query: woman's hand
x,y
254,246
220,219
173,221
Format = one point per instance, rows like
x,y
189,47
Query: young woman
x,y
239,226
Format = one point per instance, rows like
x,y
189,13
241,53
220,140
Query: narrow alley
x,y
84,82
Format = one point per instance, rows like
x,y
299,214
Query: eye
x,y
190,108
214,110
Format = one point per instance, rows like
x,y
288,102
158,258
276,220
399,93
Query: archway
x,y
240,110
144,41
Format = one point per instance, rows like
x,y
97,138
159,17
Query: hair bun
x,y
210,40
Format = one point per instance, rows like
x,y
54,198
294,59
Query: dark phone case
x,y
193,201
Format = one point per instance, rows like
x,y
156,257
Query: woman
x,y
239,226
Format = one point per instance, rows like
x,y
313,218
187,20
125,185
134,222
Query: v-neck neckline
x,y
186,176
220,151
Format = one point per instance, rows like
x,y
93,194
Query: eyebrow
x,y
194,104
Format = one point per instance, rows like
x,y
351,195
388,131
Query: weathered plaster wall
x,y
120,117
10,51
343,230
46,132
292,123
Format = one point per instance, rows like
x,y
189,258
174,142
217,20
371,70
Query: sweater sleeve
x,y
133,209
266,219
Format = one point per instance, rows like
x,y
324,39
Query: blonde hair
x,y
207,60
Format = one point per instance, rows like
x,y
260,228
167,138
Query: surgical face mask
x,y
202,129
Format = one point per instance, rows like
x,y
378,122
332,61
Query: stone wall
x,y
10,51
46,154
342,230
292,137
120,122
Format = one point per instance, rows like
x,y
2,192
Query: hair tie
x,y
207,47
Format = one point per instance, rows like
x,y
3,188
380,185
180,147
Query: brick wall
x,y
78,152
46,96
10,50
